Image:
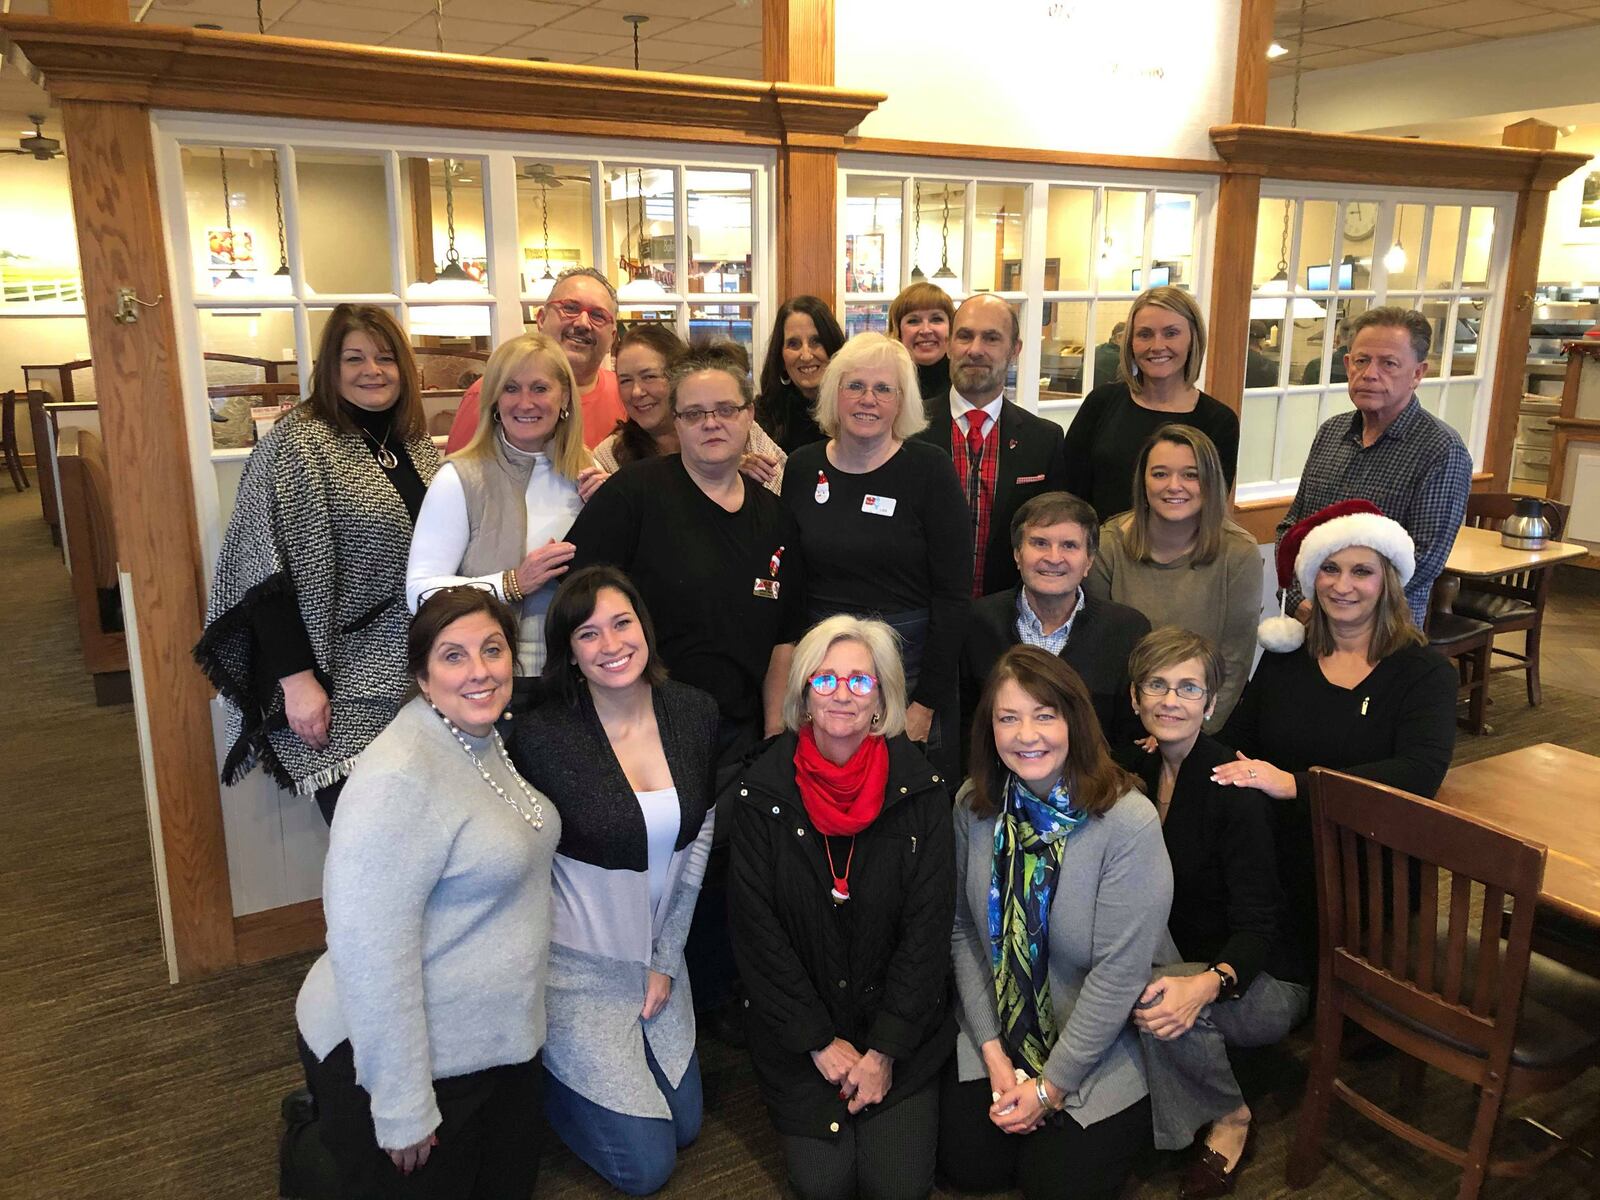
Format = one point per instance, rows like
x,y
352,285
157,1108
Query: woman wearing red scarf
x,y
842,894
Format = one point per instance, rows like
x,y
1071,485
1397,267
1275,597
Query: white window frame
x,y
1332,397
174,131
1036,181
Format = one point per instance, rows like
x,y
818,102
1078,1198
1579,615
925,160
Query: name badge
x,y
882,505
766,589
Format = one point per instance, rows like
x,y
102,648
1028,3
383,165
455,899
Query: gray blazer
x,y
1108,927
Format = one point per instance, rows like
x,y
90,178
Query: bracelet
x,y
510,586
1044,1096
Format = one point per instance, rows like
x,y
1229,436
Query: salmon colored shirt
x,y
602,409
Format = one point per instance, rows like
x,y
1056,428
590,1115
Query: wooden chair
x,y
1467,642
446,368
1442,985
92,551
8,439
1511,602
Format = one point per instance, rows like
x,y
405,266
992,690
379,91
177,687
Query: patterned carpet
x,y
117,1085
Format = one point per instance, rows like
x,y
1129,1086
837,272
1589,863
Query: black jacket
x,y
874,970
1031,462
1103,636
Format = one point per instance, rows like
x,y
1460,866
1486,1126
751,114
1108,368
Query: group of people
x,y
871,707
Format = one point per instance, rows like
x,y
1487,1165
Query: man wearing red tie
x,y
1003,454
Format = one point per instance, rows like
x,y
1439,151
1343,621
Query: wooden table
x,y
1478,554
1548,794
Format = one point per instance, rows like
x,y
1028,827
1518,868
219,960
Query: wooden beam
x,y
421,217
122,243
1531,134
209,71
1250,65
797,50
1018,154
797,40
1516,323
1238,203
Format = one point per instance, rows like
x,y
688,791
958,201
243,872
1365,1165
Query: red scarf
x,y
841,798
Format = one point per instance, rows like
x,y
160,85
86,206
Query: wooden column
x,y
121,241
797,47
421,217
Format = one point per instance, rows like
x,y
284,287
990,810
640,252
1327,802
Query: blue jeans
x,y
635,1155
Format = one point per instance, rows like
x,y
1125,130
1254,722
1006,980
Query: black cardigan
x,y
1103,636
1226,897
562,749
874,970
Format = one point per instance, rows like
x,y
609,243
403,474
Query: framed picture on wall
x,y
863,262
1583,199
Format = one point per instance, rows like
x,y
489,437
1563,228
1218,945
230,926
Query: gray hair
x,y
883,646
872,350
590,273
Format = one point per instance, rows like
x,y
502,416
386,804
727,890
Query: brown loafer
x,y
1208,1175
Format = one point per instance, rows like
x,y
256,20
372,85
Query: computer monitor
x,y
1160,276
1317,277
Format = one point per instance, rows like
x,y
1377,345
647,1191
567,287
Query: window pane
x,y
1109,318
872,234
346,242
1466,348
1066,324
641,230
1317,221
1438,314
445,252
1480,241
1061,413
1460,402
719,230
267,339
861,318
728,322
455,324
1172,236
936,237
1335,334
1431,393
1122,245
1401,256
997,238
1258,418
1274,223
1264,342
233,227
554,219
1443,240
1299,415
1069,229
650,314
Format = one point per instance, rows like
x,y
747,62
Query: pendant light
x,y
232,281
1394,259
546,282
279,282
916,232
642,283
944,271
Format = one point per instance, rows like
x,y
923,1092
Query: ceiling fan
x,y
545,175
41,147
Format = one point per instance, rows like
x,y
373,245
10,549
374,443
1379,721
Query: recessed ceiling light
x,y
1277,50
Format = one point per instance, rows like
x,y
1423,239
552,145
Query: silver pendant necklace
x,y
388,461
534,817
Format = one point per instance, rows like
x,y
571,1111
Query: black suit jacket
x,y
1103,636
1031,461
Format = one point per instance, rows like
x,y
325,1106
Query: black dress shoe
x,y
1208,1175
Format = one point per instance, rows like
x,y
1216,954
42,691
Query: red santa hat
x,y
1309,543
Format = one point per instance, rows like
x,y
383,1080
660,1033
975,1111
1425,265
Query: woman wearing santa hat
x,y
1357,689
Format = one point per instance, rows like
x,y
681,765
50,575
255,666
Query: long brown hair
x,y
1214,520
634,442
1095,781
409,420
1392,626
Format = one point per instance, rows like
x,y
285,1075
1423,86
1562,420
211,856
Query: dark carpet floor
x,y
116,1086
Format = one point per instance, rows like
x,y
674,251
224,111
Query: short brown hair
x,y
1052,508
915,297
1096,782
1170,645
1393,628
634,443
1392,316
1174,300
730,358
1214,519
379,324
572,605
442,609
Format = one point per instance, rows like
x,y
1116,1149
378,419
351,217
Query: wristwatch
x,y
1230,985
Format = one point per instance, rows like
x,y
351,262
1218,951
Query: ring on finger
x,y
1252,772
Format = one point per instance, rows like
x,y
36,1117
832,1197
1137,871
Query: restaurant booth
x,y
230,189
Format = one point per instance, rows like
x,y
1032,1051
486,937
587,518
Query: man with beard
x,y
581,314
1003,454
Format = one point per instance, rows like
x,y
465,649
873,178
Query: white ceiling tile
x,y
546,40
1345,58
345,16
459,32
683,10
1524,26
741,12
1361,10
1379,35
414,41
1443,39
1464,14
709,32
733,58
593,20
514,13
187,12
529,53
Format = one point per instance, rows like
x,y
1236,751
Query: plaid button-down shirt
x,y
1418,472
1030,630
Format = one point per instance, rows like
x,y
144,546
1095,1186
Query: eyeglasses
x,y
477,585
723,412
573,309
860,684
857,389
1157,689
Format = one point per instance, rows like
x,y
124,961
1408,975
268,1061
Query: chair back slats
x,y
1455,953
1489,950
1372,870
1351,891
1427,927
1404,998
1400,925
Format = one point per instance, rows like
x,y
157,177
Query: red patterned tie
x,y
976,420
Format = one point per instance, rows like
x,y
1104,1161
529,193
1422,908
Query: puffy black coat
x,y
874,970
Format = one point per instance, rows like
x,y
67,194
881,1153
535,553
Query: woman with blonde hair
x,y
497,508
842,894
884,527
1179,559
1162,349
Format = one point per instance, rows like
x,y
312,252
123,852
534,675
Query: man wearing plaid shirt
x,y
1390,451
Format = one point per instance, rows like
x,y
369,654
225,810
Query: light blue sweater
x,y
437,897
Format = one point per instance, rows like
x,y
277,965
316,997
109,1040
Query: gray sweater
x,y
437,897
1108,927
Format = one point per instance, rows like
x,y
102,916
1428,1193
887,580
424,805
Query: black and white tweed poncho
x,y
314,517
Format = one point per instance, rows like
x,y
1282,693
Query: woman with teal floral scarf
x,y
1061,910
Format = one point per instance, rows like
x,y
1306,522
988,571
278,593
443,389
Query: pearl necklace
x,y
534,818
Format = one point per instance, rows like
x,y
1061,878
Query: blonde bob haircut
x,y
1393,628
866,351
1215,524
1174,300
883,646
567,452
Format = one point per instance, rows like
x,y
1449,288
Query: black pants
x,y
328,798
490,1125
887,1156
1061,1160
